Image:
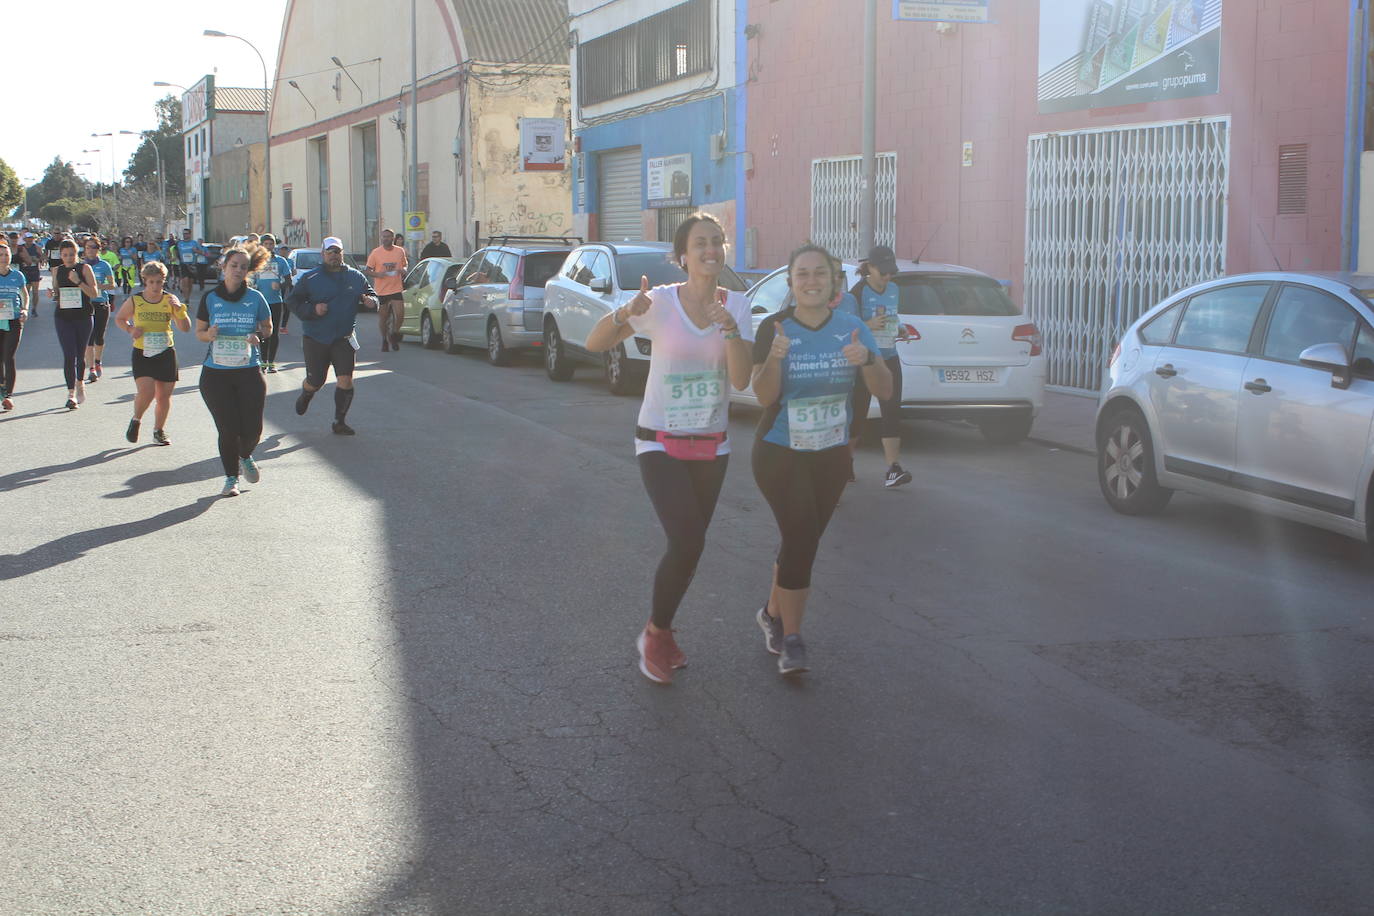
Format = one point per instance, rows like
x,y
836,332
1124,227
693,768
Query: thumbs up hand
x,y
781,343
879,319
641,302
855,352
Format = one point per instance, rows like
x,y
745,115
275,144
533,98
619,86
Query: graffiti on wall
x,y
294,234
520,219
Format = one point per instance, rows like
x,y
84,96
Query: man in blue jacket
x,y
326,301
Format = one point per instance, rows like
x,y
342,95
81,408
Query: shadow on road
x,y
74,546
30,476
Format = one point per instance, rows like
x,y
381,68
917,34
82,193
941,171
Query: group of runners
x,y
805,364
240,319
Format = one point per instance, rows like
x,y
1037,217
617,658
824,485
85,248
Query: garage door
x,y
618,206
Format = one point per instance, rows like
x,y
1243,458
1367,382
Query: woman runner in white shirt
x,y
701,344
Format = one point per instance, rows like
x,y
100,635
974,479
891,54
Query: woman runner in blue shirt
x,y
806,358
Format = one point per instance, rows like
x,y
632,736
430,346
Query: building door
x,y
1116,220
369,210
620,195
835,186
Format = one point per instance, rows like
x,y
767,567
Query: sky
x,y
105,68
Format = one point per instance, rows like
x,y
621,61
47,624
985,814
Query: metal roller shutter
x,y
619,179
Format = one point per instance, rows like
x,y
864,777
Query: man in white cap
x,y
326,301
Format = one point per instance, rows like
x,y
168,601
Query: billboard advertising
x,y
1102,53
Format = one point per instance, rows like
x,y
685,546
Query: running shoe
x,y
250,469
676,657
772,631
793,657
160,437
71,405
231,487
99,369
303,401
90,379
132,432
896,477
271,367
6,403
341,428
655,661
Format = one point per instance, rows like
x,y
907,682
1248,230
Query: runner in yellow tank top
x,y
149,317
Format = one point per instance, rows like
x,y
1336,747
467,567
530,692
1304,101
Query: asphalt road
x,y
397,676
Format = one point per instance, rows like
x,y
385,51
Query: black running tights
x,y
802,489
684,495
235,398
9,343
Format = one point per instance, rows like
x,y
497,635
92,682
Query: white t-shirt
x,y
688,388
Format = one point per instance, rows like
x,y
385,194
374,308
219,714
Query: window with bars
x,y
1293,179
836,184
659,49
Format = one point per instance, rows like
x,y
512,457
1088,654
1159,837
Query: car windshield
x,y
926,294
307,260
541,266
661,271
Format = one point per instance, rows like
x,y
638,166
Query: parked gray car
x,y
497,299
1257,389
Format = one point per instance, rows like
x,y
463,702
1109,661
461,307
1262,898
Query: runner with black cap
x,y
878,299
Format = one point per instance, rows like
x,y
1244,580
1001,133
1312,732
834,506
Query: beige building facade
x,y
342,111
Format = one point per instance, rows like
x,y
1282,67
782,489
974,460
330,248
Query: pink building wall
x,y
1283,80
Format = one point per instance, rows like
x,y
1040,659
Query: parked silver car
x,y
596,279
497,299
1257,389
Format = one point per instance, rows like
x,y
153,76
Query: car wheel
x,y
556,364
428,338
449,345
497,354
616,365
1126,465
1006,430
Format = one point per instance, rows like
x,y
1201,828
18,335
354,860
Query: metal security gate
x,y
1116,220
620,195
835,186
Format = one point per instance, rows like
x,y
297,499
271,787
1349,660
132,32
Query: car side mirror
x,y
450,284
601,284
1328,357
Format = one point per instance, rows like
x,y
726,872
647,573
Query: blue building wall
x,y
673,131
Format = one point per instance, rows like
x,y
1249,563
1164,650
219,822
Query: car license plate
x,y
968,375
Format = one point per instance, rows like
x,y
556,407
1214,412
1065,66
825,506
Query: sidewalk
x,y
1066,421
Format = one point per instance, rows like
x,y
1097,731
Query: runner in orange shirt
x,y
386,268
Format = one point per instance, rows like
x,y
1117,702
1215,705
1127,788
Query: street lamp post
x,y
161,179
97,172
266,119
114,188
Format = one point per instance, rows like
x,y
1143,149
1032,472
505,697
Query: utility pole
x,y
413,129
869,190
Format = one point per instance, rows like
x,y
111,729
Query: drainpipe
x,y
1354,133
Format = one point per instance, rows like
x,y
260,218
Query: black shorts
x,y
160,368
320,356
31,274
391,297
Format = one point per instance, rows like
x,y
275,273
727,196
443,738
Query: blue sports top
x,y
12,293
103,271
341,290
816,380
888,300
187,250
272,289
236,316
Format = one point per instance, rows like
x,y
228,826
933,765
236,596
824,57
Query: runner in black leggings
x,y
701,346
14,311
234,320
73,289
804,369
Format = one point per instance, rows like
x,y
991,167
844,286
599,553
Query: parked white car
x,y
970,353
1257,389
596,279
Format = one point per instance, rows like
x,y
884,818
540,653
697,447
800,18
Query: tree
x,y
167,136
11,191
59,181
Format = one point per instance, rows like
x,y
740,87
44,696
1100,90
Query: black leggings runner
x,y
802,489
9,343
73,335
100,317
891,408
235,398
269,347
684,495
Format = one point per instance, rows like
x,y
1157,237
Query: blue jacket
x,y
341,289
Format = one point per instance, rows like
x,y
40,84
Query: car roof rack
x,y
562,239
